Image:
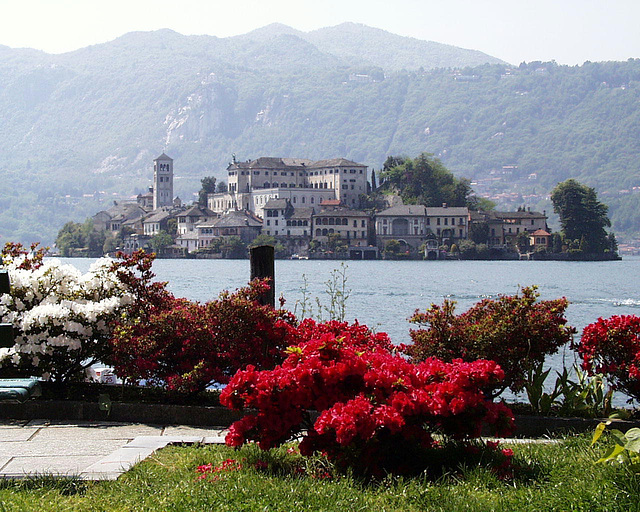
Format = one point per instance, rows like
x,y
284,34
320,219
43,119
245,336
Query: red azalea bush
x,y
612,347
376,409
186,346
516,331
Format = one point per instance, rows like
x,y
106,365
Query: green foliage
x,y
336,292
160,241
264,239
554,476
626,447
208,187
582,216
588,396
229,246
80,239
479,232
516,331
425,180
522,242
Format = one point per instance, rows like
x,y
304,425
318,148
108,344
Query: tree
x,y
523,242
582,216
392,248
70,237
208,187
222,187
479,232
161,241
263,239
425,180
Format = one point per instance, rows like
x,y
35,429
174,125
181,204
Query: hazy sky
x,y
568,31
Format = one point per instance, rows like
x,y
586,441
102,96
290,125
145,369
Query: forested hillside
x,y
79,127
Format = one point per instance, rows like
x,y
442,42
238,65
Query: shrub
x,y
186,346
61,317
612,347
376,409
516,331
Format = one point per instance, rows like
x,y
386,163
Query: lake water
x,y
385,293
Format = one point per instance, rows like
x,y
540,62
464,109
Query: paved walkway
x,y
90,450
96,450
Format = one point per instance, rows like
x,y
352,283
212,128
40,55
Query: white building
x,y
304,183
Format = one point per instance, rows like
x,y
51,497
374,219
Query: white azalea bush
x,y
61,317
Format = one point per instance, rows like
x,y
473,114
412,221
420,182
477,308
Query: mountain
x,y
81,129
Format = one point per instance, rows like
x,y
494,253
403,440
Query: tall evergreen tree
x,y
208,187
582,216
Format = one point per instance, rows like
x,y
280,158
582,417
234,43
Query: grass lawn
x,y
553,477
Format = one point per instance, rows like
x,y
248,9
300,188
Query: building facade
x,y
304,183
162,182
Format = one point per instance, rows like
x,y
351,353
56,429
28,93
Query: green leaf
x,y
598,432
611,453
633,440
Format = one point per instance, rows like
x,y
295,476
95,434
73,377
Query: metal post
x,y
263,266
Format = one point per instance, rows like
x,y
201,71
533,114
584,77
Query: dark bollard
x,y
4,282
263,266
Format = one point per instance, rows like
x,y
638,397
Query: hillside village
x,y
309,209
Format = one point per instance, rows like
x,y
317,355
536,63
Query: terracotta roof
x,y
330,202
540,232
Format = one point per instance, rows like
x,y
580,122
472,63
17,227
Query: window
x,y
446,221
438,223
345,187
355,223
362,224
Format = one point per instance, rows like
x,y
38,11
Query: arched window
x,y
325,232
345,222
318,232
332,221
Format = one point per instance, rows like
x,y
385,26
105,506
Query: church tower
x,y
162,181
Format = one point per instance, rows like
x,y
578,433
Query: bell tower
x,y
162,181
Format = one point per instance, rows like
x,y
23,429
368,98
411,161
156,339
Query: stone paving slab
x,y
70,447
16,434
180,430
98,432
62,465
92,450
